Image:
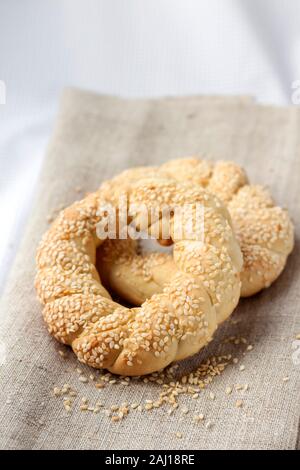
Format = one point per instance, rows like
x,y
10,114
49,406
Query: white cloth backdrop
x,y
128,48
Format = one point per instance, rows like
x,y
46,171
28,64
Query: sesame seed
x,y
198,418
115,418
83,379
208,424
239,387
99,385
239,403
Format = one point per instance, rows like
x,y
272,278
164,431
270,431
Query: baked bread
x,y
188,296
264,230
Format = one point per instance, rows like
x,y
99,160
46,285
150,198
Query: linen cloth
x,y
95,138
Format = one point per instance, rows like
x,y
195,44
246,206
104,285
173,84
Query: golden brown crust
x,y
265,231
183,298
183,312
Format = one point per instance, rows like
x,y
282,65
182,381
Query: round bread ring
x,y
172,324
264,231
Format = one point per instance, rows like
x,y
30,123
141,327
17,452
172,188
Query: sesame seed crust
x,y
191,293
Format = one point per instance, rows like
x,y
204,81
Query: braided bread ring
x,y
264,231
172,324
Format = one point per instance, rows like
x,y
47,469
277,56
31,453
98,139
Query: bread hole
x,y
131,281
151,245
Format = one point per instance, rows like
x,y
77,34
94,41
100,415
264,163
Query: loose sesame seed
x,y
115,418
198,418
99,385
239,387
83,379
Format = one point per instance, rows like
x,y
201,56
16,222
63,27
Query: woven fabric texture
x,y
95,138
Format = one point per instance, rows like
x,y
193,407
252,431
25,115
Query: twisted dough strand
x,y
171,325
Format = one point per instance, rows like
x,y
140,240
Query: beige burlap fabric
x,y
95,138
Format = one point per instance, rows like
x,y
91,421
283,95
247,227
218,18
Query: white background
x,y
128,48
